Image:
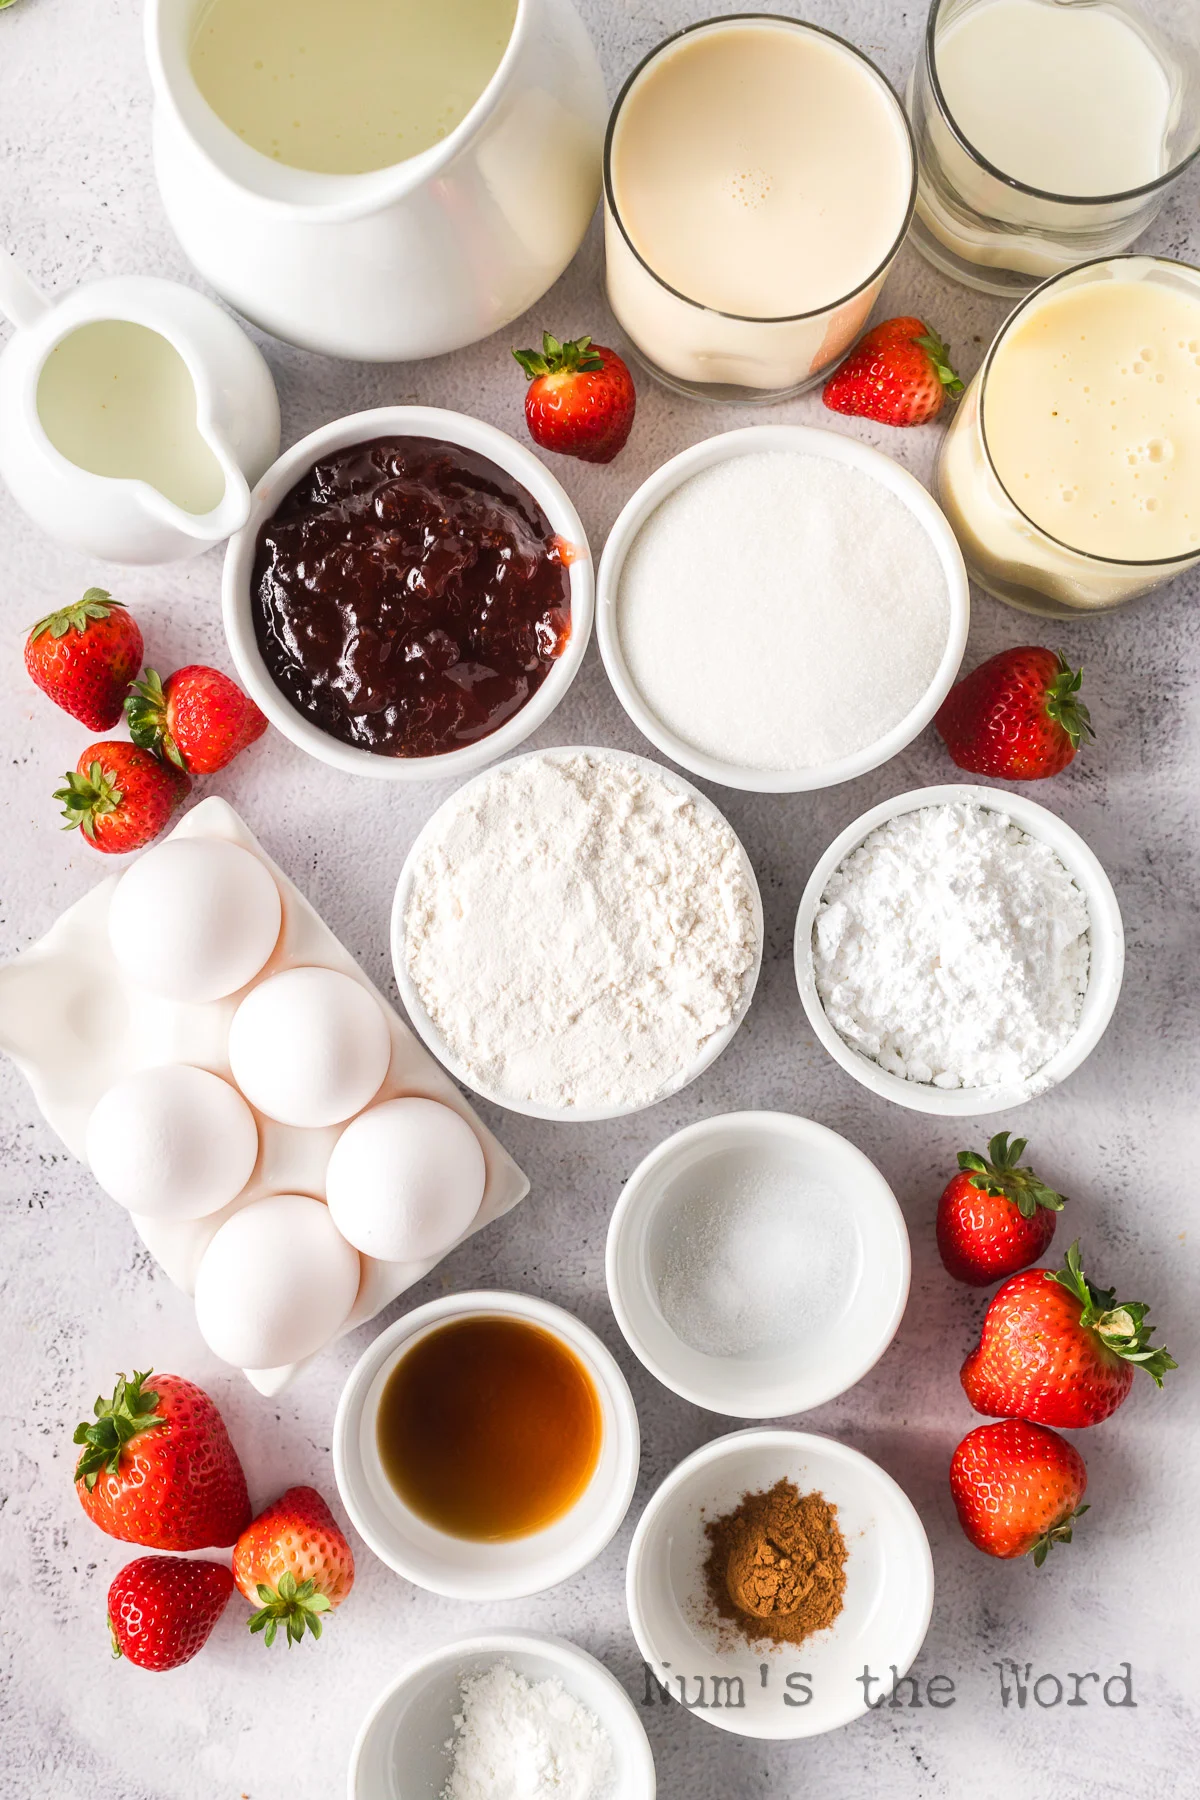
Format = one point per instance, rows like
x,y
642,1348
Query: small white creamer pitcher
x,y
409,260
134,416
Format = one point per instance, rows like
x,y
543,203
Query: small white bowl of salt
x,y
504,1712
758,1264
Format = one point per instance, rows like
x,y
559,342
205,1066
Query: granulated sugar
x,y
780,611
579,927
756,1263
953,948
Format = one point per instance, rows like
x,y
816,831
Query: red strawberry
x,y
1057,1351
121,796
294,1562
1017,716
85,656
899,373
580,399
1017,1488
159,1469
994,1217
162,1609
198,719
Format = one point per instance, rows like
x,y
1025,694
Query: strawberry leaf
x,y
294,1605
97,603
939,355
575,357
88,797
1120,1326
1064,706
124,1417
146,712
1057,1534
1002,1174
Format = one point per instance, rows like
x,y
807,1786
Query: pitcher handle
x,y
23,303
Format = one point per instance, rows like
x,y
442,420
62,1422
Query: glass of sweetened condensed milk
x,y
1071,471
759,177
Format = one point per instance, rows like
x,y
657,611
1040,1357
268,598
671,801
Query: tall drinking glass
x,y
1049,131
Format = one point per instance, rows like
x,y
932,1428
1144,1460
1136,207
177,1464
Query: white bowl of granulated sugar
x,y
781,608
577,933
959,950
489,1712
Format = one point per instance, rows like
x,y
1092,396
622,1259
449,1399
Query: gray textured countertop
x,y
81,1299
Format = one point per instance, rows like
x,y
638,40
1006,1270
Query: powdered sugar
x,y
579,927
521,1740
780,611
953,948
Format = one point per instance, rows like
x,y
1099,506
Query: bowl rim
x,y
812,440
540,1573
726,1448
1106,967
432,1038
803,1396
516,1641
282,476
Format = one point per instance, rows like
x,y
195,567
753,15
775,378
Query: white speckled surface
x,y
79,1298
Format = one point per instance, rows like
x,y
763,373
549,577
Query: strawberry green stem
x,y
97,603
1002,1175
1064,706
1057,1534
1120,1326
294,1605
125,1416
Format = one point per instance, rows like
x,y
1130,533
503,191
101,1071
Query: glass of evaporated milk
x,y
759,177
1071,470
1048,131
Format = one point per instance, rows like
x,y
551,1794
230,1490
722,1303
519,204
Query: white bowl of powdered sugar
x,y
781,608
577,933
959,950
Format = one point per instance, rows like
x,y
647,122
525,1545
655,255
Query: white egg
x,y
276,1283
309,1047
172,1142
194,919
405,1180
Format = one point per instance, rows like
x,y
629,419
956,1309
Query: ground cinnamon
x,y
776,1565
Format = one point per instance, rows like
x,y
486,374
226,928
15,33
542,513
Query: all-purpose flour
x,y
578,929
952,948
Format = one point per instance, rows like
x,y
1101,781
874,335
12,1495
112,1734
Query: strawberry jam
x,y
409,596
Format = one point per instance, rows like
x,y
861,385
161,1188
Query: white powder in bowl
x,y
953,948
578,928
526,1740
780,611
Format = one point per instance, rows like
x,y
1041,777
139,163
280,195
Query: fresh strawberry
x,y
1018,716
899,373
85,657
1057,1351
1017,1488
197,719
580,400
120,796
294,1563
158,1467
162,1609
994,1217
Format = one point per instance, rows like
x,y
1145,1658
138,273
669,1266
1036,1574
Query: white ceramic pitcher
x,y
111,496
404,262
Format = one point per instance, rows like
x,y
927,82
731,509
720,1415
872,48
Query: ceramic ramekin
x,y
432,1037
814,442
824,1360
282,476
888,1598
401,1752
462,1568
1107,966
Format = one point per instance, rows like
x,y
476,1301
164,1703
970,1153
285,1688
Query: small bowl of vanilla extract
x,y
486,1446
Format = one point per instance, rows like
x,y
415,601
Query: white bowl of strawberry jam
x,y
411,596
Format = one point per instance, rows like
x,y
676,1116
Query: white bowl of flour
x,y
577,933
959,950
781,608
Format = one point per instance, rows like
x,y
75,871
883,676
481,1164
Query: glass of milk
x,y
1071,470
1048,131
759,178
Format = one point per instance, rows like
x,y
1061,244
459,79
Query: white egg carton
x,y
74,1024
